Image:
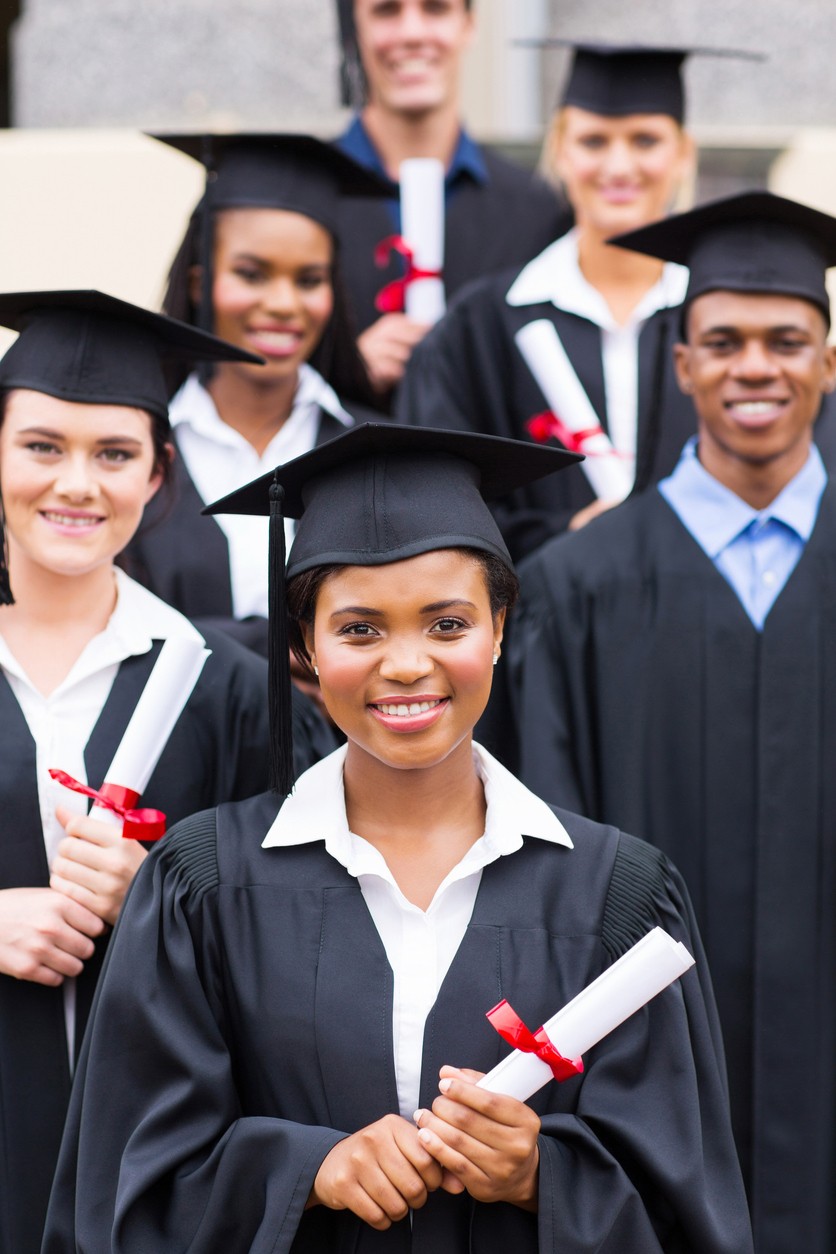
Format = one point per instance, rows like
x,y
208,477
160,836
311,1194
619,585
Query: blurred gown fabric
x,y
648,699
244,1026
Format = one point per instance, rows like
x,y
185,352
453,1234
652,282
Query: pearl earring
x,y
495,658
316,670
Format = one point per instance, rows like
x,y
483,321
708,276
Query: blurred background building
x,y
89,201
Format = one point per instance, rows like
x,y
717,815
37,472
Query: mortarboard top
x,y
89,347
621,79
278,171
753,242
377,494
382,492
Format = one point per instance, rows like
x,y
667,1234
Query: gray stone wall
x,y
795,87
169,64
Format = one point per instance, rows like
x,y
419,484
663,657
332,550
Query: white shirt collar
x,y
138,619
316,811
555,276
193,405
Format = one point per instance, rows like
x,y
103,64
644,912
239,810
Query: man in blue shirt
x,y
403,62
675,666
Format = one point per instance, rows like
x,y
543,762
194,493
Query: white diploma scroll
x,y
637,977
169,686
610,475
422,227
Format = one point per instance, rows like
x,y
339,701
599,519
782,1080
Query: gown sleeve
x,y
157,1154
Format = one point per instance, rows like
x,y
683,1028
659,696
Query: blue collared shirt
x,y
467,164
755,550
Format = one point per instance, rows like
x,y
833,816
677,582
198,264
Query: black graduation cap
x,y
620,79
90,347
380,493
751,242
263,170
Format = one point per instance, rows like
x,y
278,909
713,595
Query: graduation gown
x,y
648,699
218,750
469,374
183,555
488,226
201,1115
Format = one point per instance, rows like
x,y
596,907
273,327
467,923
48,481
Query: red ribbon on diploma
x,y
137,824
392,297
511,1028
543,427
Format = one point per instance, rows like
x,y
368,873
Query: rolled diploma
x,y
169,687
637,977
610,477
422,226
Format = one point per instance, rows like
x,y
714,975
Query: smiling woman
x,y
84,445
304,1075
260,265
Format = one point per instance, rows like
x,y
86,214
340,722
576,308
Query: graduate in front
x,y
676,666
284,1052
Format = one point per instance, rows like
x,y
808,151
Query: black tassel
x,y
6,597
282,774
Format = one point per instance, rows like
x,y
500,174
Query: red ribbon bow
x,y
137,825
543,427
392,297
511,1028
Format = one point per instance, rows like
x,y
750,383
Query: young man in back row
x,y
403,60
676,665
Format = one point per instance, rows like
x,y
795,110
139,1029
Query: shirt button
x,y
769,577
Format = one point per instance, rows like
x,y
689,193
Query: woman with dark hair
x,y
294,976
259,264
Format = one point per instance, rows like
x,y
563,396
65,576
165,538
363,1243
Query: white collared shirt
x,y
62,722
555,276
219,459
419,944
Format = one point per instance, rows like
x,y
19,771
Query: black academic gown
x,y
469,374
217,750
648,699
201,1115
488,226
183,555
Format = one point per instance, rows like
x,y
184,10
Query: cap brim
x,y
175,337
504,465
350,178
674,238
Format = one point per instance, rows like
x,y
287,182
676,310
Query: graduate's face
x,y
272,291
756,366
405,655
74,480
618,172
411,51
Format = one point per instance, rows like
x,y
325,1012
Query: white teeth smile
x,y
754,407
277,339
70,520
403,711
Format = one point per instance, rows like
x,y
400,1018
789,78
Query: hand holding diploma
x,y
93,865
